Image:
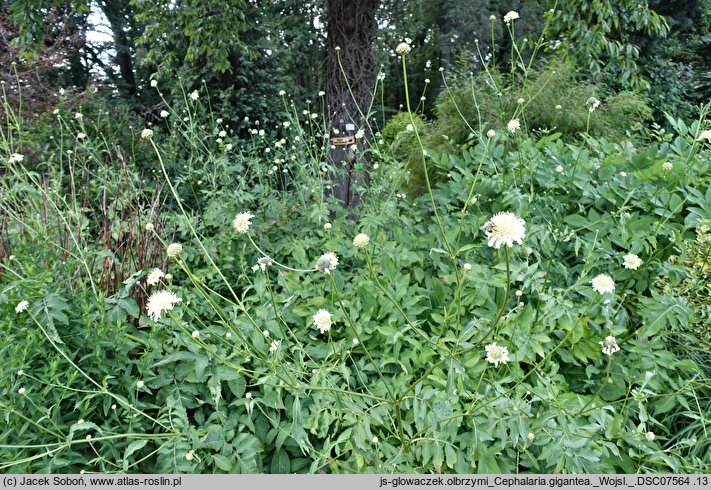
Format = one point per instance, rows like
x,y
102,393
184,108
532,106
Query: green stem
x,y
506,295
274,261
602,385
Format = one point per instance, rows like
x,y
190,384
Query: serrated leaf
x,y
132,448
222,462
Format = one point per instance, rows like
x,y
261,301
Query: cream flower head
x,y
513,125
511,16
490,133
147,133
592,104
496,354
159,302
242,222
262,263
631,261
705,135
667,166
322,320
609,345
154,276
21,306
164,113
174,249
603,283
361,240
403,49
327,263
15,158
505,228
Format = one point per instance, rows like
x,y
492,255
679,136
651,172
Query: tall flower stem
x,y
394,302
274,261
506,294
450,251
357,336
422,153
395,401
602,385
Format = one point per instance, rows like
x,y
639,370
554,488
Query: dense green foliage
x,y
150,325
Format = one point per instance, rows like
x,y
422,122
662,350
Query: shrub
x,y
554,101
403,148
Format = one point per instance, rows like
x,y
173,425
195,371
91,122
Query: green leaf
x,y
130,306
661,312
487,465
200,365
132,448
686,365
222,462
280,463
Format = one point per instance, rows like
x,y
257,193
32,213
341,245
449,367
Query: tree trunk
x,y
351,27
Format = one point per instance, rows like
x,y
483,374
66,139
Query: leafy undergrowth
x,y
539,310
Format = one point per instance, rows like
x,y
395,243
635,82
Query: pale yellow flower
x,y
322,320
496,354
403,48
505,229
705,135
361,240
327,263
154,277
609,345
513,125
21,306
603,283
174,249
159,302
511,16
15,158
242,222
631,261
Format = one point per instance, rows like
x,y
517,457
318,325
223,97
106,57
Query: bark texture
x,y
351,26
